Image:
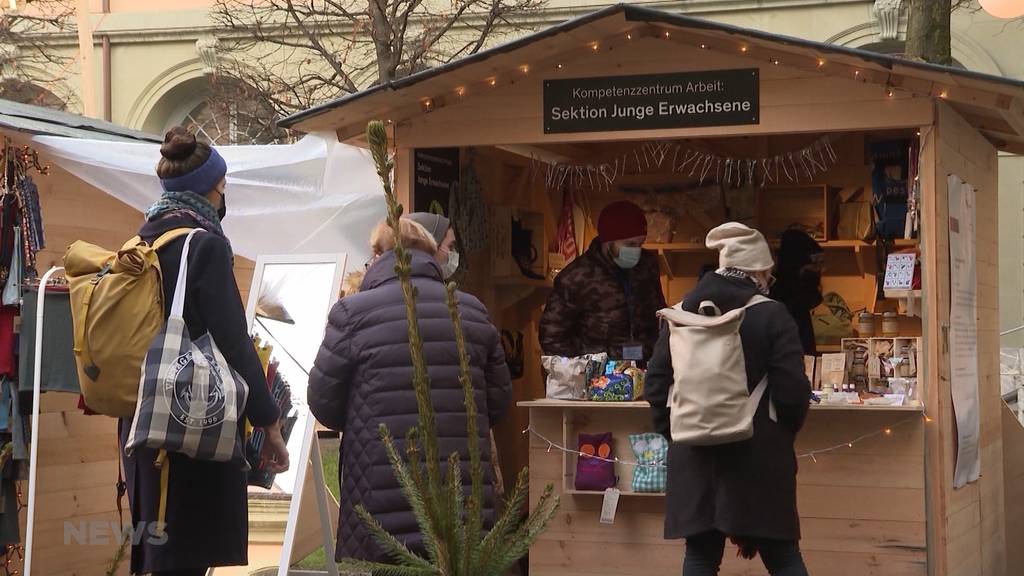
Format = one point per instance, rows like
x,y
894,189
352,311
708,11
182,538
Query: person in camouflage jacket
x,y
607,299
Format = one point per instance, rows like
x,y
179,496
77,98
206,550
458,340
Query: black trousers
x,y
704,555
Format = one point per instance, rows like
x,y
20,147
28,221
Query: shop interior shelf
x,y
621,493
522,281
901,294
829,245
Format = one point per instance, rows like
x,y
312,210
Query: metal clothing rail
x,y
36,387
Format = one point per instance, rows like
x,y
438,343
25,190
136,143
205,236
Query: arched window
x,y
232,113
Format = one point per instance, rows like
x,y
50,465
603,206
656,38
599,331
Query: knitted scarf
x,y
194,205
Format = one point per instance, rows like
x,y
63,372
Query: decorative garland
x,y
796,166
812,454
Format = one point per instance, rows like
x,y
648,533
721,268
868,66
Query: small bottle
x,y
866,325
890,325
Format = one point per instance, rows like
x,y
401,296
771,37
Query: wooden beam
x,y
536,153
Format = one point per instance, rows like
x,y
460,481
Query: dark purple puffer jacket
x,y
363,378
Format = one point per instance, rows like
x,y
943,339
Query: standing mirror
x,y
289,301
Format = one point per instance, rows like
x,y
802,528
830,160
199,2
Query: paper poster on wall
x,y
963,331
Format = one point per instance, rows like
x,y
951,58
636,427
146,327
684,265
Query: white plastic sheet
x,y
314,196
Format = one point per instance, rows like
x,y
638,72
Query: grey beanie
x,y
435,224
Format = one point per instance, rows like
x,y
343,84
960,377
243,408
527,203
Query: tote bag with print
x,y
190,399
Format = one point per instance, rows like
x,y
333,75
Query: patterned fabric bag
x,y
651,452
190,399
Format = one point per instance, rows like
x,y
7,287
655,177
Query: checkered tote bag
x,y
190,399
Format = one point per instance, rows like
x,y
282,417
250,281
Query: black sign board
x,y
652,101
436,170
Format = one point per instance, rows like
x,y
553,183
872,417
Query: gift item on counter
x,y
866,325
651,453
615,385
882,366
595,368
566,377
594,473
890,325
833,372
639,376
902,271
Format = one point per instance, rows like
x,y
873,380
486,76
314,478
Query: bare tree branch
x,y
298,53
30,70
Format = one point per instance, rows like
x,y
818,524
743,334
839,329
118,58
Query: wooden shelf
x,y
549,403
621,493
903,294
866,408
641,405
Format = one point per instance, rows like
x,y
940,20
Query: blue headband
x,y
202,179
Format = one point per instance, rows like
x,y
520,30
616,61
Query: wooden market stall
x,y
77,466
775,130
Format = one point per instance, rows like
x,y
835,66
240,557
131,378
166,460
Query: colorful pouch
x,y
614,386
649,449
592,473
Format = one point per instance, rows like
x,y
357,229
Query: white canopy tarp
x,y
314,196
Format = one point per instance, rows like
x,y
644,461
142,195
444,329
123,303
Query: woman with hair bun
x,y
206,507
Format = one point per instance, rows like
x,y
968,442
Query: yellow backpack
x,y
117,308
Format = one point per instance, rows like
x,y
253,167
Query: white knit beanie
x,y
740,247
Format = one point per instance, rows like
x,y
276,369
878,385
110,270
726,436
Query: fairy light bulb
x,y
703,46
461,91
667,34
629,36
743,49
493,82
821,62
888,431
595,47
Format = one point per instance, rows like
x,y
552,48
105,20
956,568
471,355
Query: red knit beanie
x,y
621,220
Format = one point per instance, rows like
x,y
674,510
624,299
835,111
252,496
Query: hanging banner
x,y
436,171
652,101
963,331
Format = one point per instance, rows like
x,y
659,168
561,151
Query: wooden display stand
x,y
884,506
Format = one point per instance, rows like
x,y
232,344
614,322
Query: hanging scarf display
x,y
31,220
567,245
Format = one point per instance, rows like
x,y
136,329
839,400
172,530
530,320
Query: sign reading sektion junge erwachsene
x,y
652,101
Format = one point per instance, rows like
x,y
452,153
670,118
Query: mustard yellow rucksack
x,y
117,308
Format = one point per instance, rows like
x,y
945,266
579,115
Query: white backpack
x,y
709,402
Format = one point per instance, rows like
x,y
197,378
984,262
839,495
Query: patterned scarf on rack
x,y
189,204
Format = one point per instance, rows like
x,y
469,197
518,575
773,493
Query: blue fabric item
x,y
18,430
5,403
202,179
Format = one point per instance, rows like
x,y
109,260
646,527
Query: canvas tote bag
x,y
190,399
709,402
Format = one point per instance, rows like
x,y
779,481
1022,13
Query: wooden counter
x,y
862,508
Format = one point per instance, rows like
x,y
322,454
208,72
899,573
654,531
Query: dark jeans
x,y
704,556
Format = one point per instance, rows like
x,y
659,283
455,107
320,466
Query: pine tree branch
x,y
392,547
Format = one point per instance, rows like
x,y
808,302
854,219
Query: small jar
x,y
866,325
890,325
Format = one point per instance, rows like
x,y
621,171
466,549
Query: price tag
x,y
611,503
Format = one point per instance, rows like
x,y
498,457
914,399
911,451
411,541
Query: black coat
x,y
748,488
207,502
362,378
598,307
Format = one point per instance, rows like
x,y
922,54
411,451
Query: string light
x,y
703,46
525,69
857,73
493,82
943,94
811,454
889,92
427,104
559,66
461,91
821,62
629,36
743,49
595,46
666,34
775,61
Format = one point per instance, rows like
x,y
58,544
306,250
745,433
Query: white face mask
x,y
449,268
